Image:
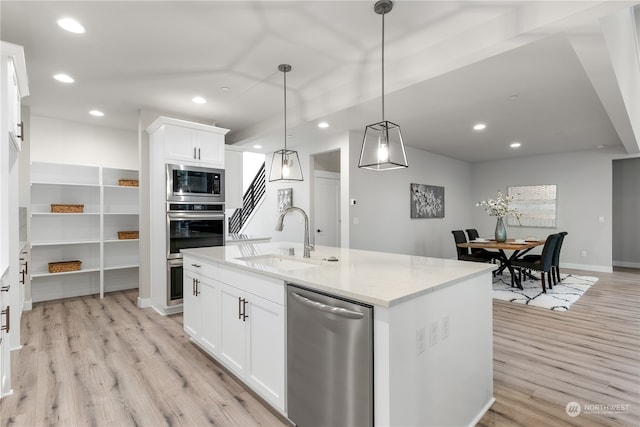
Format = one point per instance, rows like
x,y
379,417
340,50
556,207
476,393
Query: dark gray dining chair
x,y
463,253
481,252
543,265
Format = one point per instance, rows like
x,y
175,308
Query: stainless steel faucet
x,y
280,225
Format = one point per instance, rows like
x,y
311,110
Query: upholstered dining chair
x,y
463,253
484,253
555,264
543,265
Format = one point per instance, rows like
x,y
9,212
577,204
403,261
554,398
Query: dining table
x,y
520,247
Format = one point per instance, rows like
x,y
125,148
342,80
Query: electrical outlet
x,y
445,328
356,220
583,253
433,334
420,341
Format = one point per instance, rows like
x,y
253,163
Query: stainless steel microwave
x,y
194,184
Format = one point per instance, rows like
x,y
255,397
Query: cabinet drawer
x,y
265,287
198,266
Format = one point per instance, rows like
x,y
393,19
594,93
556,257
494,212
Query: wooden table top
x,y
509,244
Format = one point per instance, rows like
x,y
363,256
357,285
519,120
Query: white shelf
x,y
121,267
62,243
91,236
36,274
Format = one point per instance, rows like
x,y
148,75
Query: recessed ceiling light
x,y
257,146
96,113
64,78
479,126
199,100
323,125
513,97
224,88
600,146
515,145
71,25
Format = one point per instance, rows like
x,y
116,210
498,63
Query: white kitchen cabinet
x,y
201,301
197,145
247,322
173,141
108,262
252,341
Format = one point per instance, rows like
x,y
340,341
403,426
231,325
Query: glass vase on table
x,y
501,231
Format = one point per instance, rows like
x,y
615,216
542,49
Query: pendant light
x,y
382,146
285,165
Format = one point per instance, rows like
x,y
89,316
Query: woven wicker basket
x,y
125,235
128,182
67,208
62,266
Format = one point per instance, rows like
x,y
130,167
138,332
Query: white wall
x,y
584,193
383,204
62,141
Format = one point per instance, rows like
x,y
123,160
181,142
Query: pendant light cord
x,y
285,111
383,66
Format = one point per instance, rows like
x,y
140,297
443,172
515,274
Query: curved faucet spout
x,y
280,226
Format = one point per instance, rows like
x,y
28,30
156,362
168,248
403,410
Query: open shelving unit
x,y
108,263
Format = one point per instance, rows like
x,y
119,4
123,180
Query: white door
x,y
210,300
192,307
327,208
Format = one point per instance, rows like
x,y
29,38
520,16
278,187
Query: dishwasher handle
x,y
338,311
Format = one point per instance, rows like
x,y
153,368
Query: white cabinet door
x,y
179,143
192,307
194,146
210,148
233,330
209,294
266,352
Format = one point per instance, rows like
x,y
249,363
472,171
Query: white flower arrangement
x,y
500,207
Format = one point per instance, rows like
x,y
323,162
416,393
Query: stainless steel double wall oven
x,y
195,217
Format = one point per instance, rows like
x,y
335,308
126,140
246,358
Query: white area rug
x,y
559,298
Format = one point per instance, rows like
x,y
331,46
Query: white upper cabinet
x,y
189,143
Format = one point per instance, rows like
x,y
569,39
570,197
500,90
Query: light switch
x,y
601,219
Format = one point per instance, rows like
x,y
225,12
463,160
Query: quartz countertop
x,y
377,278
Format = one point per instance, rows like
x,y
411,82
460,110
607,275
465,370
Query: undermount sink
x,y
281,262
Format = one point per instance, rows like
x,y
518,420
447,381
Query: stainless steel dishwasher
x,y
329,360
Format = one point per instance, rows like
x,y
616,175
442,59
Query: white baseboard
x,y
588,267
27,305
144,302
626,264
167,311
483,411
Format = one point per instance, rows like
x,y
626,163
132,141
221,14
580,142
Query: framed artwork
x,y
285,198
536,204
427,201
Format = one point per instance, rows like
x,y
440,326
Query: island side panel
x,y
451,381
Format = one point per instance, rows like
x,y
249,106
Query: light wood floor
x,y
544,360
87,361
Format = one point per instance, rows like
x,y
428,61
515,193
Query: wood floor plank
x,y
92,362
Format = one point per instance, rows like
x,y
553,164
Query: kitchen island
x,y
432,323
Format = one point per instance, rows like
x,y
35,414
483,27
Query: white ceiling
x,y
449,64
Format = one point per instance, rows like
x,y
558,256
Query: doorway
x,y
326,199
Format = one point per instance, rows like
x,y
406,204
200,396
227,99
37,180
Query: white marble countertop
x,y
376,278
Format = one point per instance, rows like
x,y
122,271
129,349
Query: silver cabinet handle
x,y
196,265
338,311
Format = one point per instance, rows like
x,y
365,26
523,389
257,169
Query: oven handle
x,y
184,215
